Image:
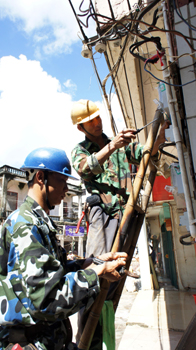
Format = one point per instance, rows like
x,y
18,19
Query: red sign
x,y
159,193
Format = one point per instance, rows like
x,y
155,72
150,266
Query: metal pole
x,y
80,240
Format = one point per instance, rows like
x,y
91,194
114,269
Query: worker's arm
x,y
123,138
88,164
160,138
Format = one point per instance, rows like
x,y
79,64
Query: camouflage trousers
x,y
57,336
102,231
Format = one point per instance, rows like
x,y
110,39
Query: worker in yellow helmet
x,y
104,165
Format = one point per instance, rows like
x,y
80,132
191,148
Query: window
x,y
12,200
65,209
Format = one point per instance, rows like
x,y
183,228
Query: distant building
x,y
13,190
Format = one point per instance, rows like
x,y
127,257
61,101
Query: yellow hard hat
x,y
83,111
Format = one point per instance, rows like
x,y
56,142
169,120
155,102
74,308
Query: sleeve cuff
x,y
94,165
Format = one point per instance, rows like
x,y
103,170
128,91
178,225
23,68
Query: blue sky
x,y
41,73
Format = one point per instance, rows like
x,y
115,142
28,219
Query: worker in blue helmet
x,y
53,164
39,288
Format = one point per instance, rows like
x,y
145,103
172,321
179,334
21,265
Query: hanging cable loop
x,y
186,236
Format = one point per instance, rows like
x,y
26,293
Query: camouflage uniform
x,y
37,285
112,181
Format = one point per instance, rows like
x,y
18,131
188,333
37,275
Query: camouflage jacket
x,y
37,284
112,180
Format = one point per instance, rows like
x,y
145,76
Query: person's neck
x,y
99,140
39,199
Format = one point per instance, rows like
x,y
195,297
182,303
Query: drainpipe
x,y
80,239
176,132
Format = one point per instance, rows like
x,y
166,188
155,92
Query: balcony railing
x,y
13,171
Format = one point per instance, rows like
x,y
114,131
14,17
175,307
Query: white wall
x,y
185,256
22,193
13,187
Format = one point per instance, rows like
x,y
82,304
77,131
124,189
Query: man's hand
x,y
108,270
161,135
123,138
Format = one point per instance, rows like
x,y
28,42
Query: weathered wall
x,y
22,193
185,256
13,187
187,69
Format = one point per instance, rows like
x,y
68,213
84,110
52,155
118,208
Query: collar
x,y
105,137
39,212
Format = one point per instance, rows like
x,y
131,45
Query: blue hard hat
x,y
50,159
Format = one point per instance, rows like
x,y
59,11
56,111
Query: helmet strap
x,y
86,130
50,207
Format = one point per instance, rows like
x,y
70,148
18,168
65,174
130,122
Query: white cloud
x,y
70,86
34,111
116,112
51,22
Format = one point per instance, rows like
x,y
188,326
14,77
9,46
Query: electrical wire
x,y
109,67
145,10
155,40
165,82
83,11
121,58
182,18
115,31
163,145
176,58
122,32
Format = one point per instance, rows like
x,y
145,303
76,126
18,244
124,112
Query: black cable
x,y
80,8
145,10
163,145
168,154
111,10
129,6
186,236
97,22
84,35
96,17
156,40
155,19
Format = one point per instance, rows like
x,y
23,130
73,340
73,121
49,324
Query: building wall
x,y
187,68
185,256
13,186
144,90
154,226
0,190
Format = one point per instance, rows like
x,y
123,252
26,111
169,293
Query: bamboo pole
x,y
132,246
138,180
95,311
145,200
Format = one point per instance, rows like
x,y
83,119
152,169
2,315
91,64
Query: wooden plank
x,y
154,276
